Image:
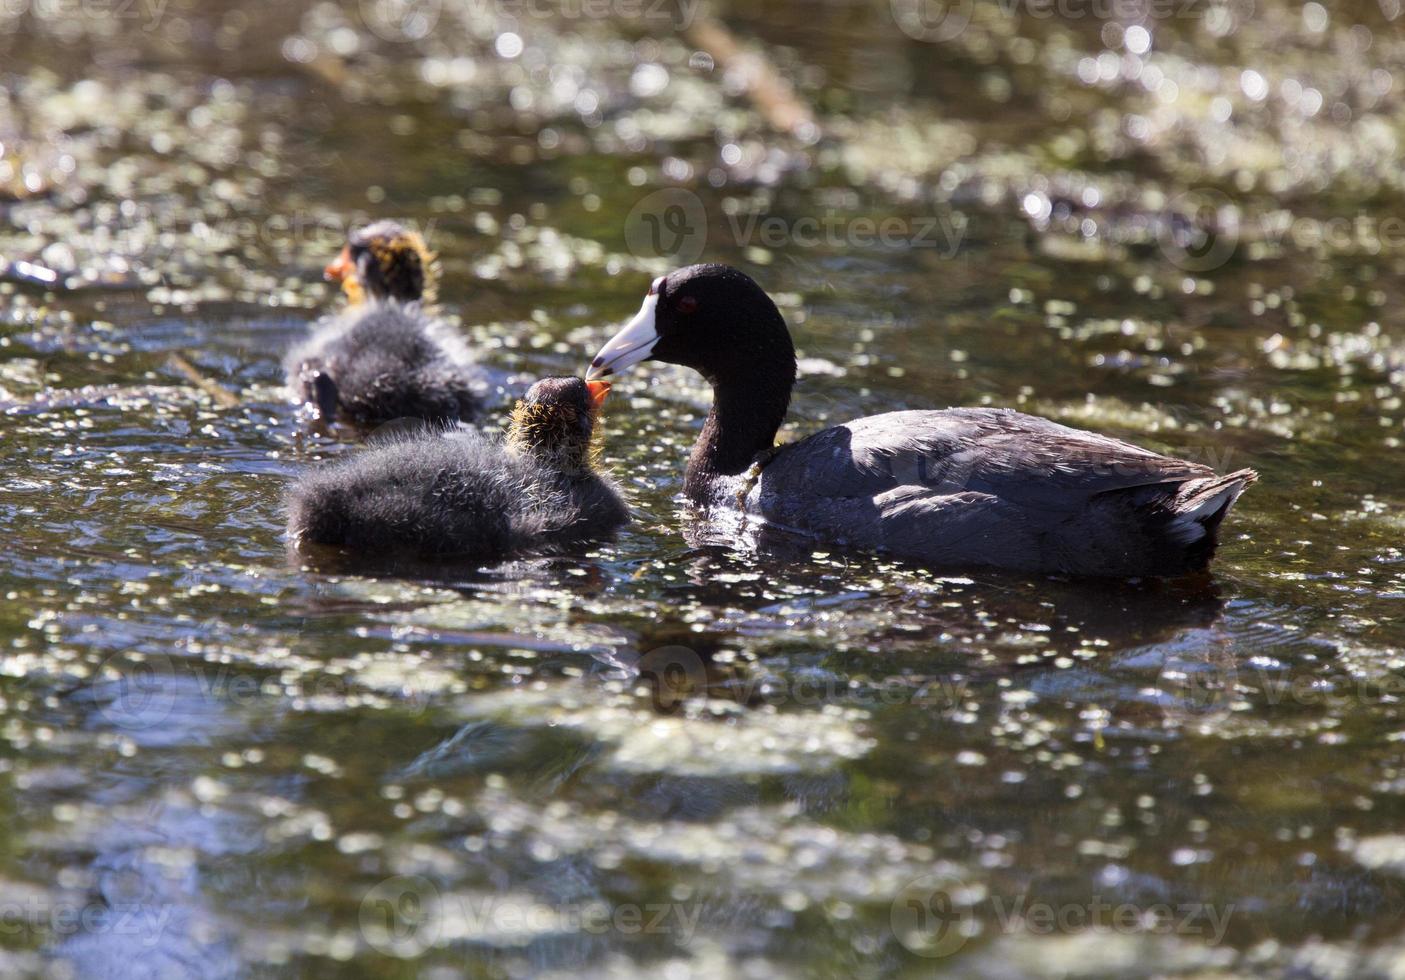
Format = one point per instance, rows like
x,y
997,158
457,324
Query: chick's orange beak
x,y
598,392
340,268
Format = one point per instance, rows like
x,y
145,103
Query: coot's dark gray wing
x,y
984,486
996,451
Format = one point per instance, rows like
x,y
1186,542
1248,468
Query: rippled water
x,y
670,754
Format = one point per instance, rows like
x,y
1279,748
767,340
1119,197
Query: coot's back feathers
x,y
976,486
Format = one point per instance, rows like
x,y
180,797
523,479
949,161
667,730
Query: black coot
x,y
960,487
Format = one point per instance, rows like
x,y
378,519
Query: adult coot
x,y
960,487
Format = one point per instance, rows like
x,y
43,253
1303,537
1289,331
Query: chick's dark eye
x,y
687,304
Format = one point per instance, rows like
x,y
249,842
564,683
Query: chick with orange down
x,y
386,357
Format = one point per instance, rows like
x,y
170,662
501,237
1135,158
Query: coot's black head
x,y
555,422
385,261
711,318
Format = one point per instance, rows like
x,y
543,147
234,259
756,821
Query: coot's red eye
x,y
687,304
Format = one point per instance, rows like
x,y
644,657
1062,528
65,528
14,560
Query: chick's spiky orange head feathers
x,y
556,423
386,261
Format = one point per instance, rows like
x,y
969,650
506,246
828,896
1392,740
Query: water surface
x,y
669,753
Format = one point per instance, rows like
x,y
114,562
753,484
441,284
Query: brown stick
x,y
774,97
223,398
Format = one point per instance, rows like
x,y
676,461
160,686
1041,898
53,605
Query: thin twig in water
x,y
223,397
775,98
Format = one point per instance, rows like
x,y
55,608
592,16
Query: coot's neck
x,y
748,407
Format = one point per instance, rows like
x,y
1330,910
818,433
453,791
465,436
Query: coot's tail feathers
x,y
1199,507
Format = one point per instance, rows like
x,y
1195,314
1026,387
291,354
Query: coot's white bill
x,y
634,343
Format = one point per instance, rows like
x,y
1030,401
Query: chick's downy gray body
x,y
383,362
461,495
386,358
